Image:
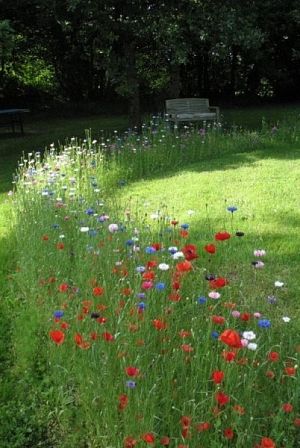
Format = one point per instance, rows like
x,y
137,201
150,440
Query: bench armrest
x,y
215,109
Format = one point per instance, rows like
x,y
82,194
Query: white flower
x,y
61,236
84,229
191,212
286,319
252,346
154,215
259,265
163,266
178,255
249,335
259,253
278,284
113,228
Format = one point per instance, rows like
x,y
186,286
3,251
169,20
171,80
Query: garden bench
x,y
12,117
191,109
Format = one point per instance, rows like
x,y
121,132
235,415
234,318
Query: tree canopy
x,y
94,50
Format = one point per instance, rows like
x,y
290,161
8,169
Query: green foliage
x,y
31,71
62,396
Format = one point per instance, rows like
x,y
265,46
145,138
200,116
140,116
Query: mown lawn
x,y
60,396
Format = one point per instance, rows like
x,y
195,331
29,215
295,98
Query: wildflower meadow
x,y
156,301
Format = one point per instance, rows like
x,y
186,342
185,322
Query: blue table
x,y
12,117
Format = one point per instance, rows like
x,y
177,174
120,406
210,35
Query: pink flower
x,y
214,295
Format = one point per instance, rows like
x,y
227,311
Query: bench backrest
x,y
187,105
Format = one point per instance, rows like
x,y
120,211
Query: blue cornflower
x,y
131,384
129,243
214,334
141,295
89,211
160,286
55,226
141,305
150,250
185,226
264,323
232,208
201,300
58,314
140,269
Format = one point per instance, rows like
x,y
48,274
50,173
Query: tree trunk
x,y
133,86
175,81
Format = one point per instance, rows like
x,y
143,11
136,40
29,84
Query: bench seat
x,y
191,109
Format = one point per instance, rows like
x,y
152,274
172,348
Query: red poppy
x,y
151,264
231,338
290,371
148,437
217,376
185,432
190,252
174,297
108,336
239,409
184,266
64,325
101,320
98,291
218,282
185,421
176,285
57,336
80,342
132,371
45,237
129,442
159,324
150,275
204,426
266,442
60,246
63,287
187,348
273,356
297,422
228,356
165,441
185,334
222,236
174,222
184,233
156,246
123,402
270,374
222,398
245,316
220,320
210,248
287,407
94,336
228,433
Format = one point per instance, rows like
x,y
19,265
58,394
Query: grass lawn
x,y
151,370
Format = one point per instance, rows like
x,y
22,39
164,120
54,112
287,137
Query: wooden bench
x,y
191,109
12,117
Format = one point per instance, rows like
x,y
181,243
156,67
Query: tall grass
x,y
116,342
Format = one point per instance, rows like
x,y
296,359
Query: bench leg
x,y
21,124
